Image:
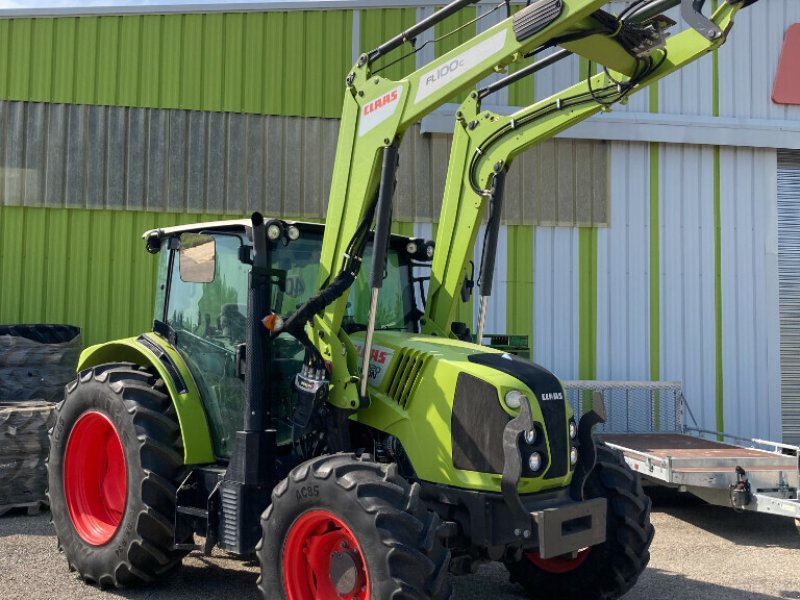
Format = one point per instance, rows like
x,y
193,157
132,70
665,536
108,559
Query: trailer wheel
x,y
343,527
115,463
607,570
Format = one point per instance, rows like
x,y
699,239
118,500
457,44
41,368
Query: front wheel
x,y
345,528
113,470
607,570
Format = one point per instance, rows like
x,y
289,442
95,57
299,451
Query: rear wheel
x,y
344,528
610,569
114,467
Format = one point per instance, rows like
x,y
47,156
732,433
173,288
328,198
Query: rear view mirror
x,y
198,258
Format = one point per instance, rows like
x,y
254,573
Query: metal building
x,y
661,241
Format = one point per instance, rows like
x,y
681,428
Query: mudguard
x,y
150,350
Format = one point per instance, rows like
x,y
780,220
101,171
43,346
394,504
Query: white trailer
x,y
646,422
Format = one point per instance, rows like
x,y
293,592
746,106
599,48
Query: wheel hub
x,y
95,478
344,572
322,560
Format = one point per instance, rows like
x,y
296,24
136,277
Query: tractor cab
x,y
201,302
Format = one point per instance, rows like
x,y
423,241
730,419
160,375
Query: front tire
x,y
607,570
114,467
343,527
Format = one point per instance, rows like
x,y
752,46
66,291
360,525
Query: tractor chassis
x,y
556,523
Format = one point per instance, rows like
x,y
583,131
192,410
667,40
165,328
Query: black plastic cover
x,y
551,399
477,426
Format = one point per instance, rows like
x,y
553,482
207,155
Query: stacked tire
x,y
36,361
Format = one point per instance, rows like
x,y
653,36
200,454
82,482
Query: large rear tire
x,y
115,463
610,569
342,527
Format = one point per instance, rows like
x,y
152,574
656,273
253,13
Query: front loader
x,y
483,149
283,406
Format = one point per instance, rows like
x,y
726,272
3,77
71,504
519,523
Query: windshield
x,y
300,260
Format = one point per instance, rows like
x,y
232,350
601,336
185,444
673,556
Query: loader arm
x,y
377,112
485,144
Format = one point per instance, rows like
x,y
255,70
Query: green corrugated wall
x,y
283,63
83,267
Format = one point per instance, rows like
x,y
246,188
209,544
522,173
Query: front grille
x,y
406,376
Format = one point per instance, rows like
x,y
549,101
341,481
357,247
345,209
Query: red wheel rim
x,y
323,560
95,478
559,564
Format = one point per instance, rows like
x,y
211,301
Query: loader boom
x,y
376,113
485,144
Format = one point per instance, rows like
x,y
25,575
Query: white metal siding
x,y
789,265
555,300
687,276
750,358
623,269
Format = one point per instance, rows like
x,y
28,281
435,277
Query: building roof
x,y
55,8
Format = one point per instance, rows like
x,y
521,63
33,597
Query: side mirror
x,y
197,258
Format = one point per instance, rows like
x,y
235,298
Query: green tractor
x,y
351,438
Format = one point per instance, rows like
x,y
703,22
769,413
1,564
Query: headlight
x,y
530,437
535,461
293,232
573,429
573,456
514,399
274,231
411,247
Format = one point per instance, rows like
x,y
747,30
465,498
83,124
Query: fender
x,y
150,350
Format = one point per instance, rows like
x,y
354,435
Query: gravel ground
x,y
699,552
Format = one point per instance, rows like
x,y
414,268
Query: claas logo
x,y
377,356
384,101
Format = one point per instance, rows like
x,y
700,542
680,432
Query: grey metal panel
x,y
14,140
33,184
293,157
789,282
55,169
214,161
274,168
116,174
95,158
228,163
136,167
177,162
197,164
311,173
157,155
74,161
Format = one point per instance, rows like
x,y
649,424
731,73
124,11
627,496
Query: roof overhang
x,y
143,7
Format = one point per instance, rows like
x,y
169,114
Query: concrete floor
x,y
699,552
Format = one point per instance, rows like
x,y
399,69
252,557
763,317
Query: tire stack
x,y
36,361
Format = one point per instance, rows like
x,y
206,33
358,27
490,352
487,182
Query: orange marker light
x,y
272,322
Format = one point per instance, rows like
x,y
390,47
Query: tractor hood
x,y
444,400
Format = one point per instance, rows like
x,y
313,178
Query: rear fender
x,y
150,350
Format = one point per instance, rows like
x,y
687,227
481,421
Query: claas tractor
x,y
334,420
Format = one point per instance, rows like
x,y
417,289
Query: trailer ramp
x,y
646,423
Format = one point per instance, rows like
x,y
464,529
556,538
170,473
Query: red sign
x,y
787,81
